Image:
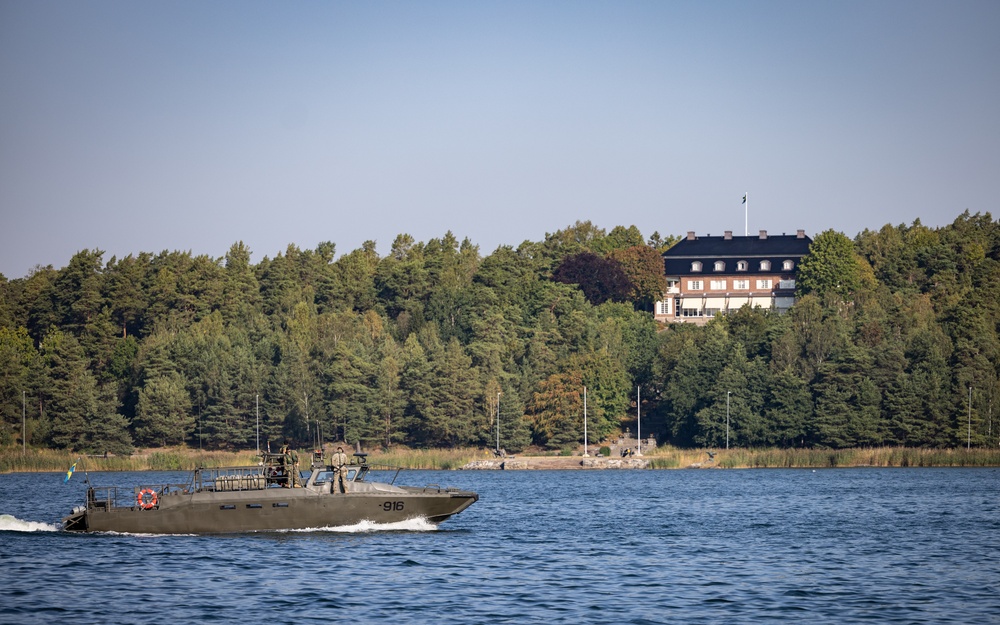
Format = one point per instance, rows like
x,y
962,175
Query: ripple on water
x,y
894,546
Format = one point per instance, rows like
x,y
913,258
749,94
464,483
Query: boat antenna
x,y
86,475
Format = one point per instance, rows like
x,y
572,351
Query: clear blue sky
x,y
151,126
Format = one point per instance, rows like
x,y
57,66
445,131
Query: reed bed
x,y
183,459
440,459
670,458
171,459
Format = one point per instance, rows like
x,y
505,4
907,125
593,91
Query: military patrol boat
x,y
272,495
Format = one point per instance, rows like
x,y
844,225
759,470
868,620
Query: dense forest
x,y
893,342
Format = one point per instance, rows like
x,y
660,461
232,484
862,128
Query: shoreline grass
x,y
12,460
773,458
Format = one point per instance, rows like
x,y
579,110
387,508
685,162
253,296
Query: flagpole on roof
x,y
746,215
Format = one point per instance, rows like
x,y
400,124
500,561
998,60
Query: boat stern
x,y
77,521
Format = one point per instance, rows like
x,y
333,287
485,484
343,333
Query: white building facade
x,y
709,276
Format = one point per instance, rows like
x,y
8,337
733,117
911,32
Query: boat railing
x,y
437,488
381,473
233,478
108,497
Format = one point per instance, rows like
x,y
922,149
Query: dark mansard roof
x,y
732,249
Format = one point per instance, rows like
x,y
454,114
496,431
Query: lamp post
x,y
968,439
585,454
638,424
728,393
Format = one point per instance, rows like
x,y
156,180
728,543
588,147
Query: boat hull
x,y
270,510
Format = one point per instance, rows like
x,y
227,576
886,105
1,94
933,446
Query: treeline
x,y
435,345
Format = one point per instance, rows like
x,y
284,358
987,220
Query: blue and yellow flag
x,y
69,473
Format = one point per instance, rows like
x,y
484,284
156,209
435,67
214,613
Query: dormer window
x,y
696,266
787,265
765,265
720,265
741,265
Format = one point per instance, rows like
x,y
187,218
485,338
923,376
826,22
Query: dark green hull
x,y
251,499
270,510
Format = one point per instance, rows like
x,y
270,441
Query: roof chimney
x,y
729,235
690,236
763,234
800,234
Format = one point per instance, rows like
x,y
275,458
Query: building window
x,y
691,312
741,265
663,308
741,285
694,285
718,285
763,284
765,265
696,266
720,265
711,312
787,265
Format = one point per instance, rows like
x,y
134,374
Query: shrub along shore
x,y
180,459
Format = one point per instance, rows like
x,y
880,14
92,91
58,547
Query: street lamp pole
x,y
728,393
968,440
638,423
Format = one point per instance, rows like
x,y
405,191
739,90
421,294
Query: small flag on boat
x,y
69,473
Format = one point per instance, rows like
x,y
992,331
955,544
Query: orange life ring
x,y
143,502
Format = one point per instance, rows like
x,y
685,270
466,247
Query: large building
x,y
709,276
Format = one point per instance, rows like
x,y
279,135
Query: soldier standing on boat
x,y
284,464
339,461
295,477
290,463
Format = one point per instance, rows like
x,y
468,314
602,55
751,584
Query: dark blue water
x,y
687,546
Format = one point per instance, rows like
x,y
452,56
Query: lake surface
x,y
633,546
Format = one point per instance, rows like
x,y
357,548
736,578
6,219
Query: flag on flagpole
x,y
69,473
744,198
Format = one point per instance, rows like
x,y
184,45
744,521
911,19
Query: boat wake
x,y
364,527
9,523
410,525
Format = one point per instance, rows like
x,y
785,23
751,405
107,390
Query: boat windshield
x,y
322,477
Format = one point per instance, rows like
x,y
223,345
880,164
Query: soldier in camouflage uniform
x,y
339,463
290,463
283,463
296,479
